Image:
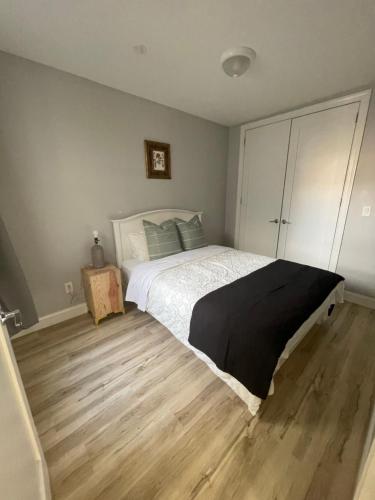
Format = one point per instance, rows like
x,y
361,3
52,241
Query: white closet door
x,y
319,151
265,158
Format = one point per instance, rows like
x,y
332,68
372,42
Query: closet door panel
x,y
265,157
319,151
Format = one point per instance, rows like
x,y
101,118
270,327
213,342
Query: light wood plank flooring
x,y
125,411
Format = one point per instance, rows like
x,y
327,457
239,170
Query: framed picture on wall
x,y
158,160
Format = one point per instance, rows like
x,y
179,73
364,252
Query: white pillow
x,y
138,245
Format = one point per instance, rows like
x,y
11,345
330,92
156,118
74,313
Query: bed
x,y
171,288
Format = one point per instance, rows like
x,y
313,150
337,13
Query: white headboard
x,y
133,224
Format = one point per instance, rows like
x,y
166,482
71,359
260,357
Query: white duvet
x,y
168,289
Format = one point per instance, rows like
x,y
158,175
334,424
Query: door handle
x,y
284,221
275,221
15,315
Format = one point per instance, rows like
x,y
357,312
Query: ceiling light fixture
x,y
236,62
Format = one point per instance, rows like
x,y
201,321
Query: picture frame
x,y
158,160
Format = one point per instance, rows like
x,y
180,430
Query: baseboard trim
x,y
54,318
362,300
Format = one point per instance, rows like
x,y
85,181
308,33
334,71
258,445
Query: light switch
x,y
366,211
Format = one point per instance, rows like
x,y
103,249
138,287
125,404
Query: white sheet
x,y
128,266
169,288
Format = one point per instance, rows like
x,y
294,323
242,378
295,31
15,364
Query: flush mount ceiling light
x,y
236,62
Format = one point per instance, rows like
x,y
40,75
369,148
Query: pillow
x,y
191,233
138,245
162,240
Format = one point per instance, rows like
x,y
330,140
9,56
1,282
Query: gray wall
x,y
232,178
357,255
71,157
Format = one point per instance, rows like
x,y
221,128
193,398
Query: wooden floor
x,y
126,411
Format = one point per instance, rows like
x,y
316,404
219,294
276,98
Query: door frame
x,y
363,98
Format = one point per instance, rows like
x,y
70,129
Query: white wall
x,y
72,157
357,255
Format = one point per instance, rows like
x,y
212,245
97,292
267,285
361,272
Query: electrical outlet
x,y
69,287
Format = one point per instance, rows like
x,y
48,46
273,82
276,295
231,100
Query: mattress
x,y
169,288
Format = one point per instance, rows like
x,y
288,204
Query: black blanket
x,y
244,326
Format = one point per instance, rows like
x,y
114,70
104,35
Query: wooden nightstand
x,y
103,291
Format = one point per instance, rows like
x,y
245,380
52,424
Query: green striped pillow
x,y
191,233
162,240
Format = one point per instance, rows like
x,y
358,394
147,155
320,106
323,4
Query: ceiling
x,y
306,49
